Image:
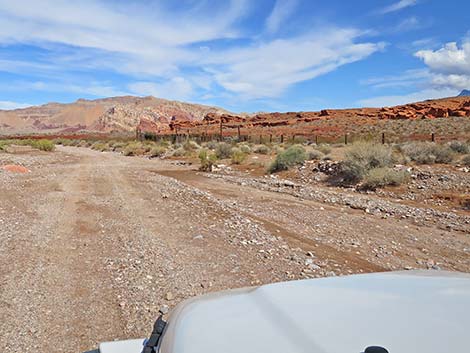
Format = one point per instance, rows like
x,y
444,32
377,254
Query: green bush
x,y
223,150
207,160
238,156
43,145
294,155
428,152
380,177
459,147
261,149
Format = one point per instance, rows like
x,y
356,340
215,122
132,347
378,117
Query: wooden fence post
x,y
383,138
282,138
221,133
270,138
238,128
433,137
346,139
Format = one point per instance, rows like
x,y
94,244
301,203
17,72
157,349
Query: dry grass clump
x,y
428,152
100,146
323,148
179,152
157,151
244,148
207,160
134,149
292,156
261,149
315,155
238,156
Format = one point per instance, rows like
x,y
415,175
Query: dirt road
x,y
92,244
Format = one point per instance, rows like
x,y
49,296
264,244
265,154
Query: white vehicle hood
x,y
405,312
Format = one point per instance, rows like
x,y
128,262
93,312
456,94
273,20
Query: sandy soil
x,y
92,244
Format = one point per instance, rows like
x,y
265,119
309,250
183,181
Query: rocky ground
x,y
94,243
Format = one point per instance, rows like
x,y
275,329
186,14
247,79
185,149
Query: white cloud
x,y
156,46
281,11
392,100
7,105
408,24
408,79
402,4
267,69
448,60
449,66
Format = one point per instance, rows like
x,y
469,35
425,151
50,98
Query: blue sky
x,y
266,55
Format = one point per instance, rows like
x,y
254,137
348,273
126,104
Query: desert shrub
x,y
369,155
245,148
361,157
212,145
261,149
207,160
459,147
294,155
147,146
157,151
43,145
380,177
4,144
83,143
62,141
118,145
323,148
74,142
238,156
466,160
100,146
315,155
134,149
191,145
179,152
223,150
427,152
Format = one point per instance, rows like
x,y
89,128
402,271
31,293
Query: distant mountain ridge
x,y
464,93
103,115
160,116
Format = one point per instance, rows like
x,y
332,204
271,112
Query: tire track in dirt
x,y
228,192
59,289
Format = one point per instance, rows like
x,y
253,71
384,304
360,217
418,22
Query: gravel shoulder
x,y
92,244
